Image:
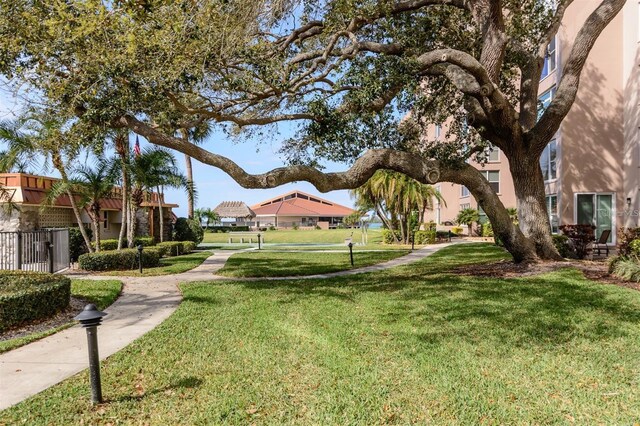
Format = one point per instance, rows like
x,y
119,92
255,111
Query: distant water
x,y
375,225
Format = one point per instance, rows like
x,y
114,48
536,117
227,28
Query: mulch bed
x,y
61,318
595,270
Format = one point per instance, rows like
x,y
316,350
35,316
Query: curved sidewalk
x,y
145,302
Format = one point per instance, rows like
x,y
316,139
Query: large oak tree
x,y
362,77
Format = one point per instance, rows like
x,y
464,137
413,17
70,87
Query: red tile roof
x,y
298,203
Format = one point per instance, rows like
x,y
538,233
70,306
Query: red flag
x,y
136,147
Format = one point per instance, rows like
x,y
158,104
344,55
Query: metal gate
x,y
41,251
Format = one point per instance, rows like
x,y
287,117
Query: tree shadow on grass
x,y
189,382
550,309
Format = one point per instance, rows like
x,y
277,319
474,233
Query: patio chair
x,y
601,243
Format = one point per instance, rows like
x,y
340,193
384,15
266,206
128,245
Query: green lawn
x,y
168,265
331,236
411,345
102,293
276,264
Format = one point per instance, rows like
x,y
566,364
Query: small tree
x,y
467,217
353,219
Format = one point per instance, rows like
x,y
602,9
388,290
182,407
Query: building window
x,y
544,100
552,209
548,161
549,59
493,154
438,130
464,191
493,176
105,219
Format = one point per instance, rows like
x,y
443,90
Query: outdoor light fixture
x,y
351,252
140,248
258,241
90,318
629,202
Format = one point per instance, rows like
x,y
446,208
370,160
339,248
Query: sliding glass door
x,y
597,210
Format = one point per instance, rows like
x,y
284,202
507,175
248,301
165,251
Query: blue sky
x,y
215,186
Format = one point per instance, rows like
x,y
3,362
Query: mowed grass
x,y
168,265
102,293
312,236
277,264
416,344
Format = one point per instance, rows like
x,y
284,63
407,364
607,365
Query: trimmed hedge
x,y
215,229
173,248
425,237
112,244
118,260
188,246
27,296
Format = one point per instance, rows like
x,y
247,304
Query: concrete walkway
x,y
145,302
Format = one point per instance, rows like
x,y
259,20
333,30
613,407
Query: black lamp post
x,y
413,239
90,318
351,252
140,248
258,241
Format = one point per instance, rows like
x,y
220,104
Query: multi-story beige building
x,y
592,165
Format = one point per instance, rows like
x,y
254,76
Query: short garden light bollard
x,y
413,240
140,248
351,252
450,233
258,241
90,318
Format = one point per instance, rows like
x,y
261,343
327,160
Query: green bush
x,y
457,230
173,248
118,260
27,296
188,230
76,243
188,246
486,230
625,238
562,245
626,269
229,228
107,245
425,237
272,228
144,241
387,236
162,251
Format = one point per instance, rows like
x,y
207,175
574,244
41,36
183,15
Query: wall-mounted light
x,y
628,201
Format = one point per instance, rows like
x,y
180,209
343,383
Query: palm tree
x,y
156,168
44,139
467,217
399,196
121,144
91,185
194,135
206,214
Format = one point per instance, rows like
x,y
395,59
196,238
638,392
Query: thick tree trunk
x,y
532,207
521,248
